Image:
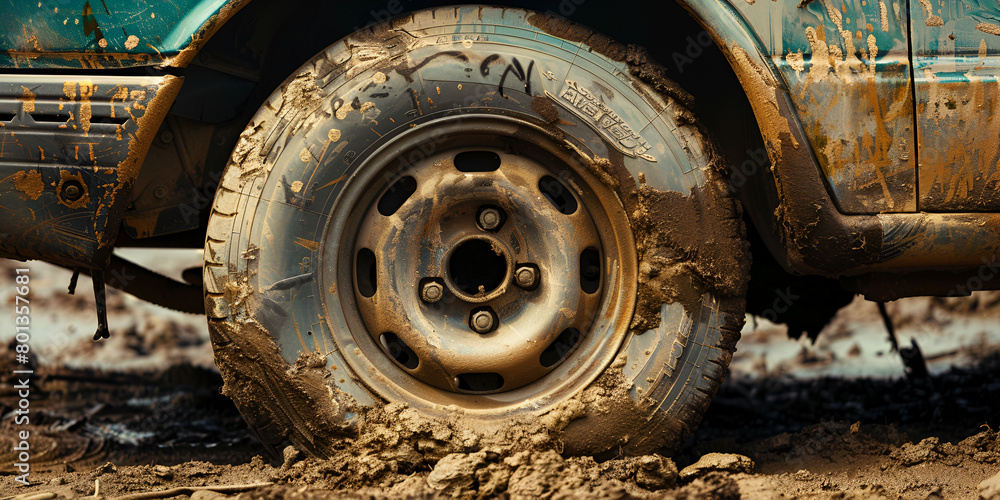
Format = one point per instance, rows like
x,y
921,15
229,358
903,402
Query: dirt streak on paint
x,y
959,140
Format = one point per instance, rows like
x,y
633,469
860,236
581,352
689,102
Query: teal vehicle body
x,y
105,34
875,116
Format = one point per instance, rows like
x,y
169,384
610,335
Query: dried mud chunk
x,y
290,455
715,485
493,479
726,462
912,454
455,473
656,473
546,474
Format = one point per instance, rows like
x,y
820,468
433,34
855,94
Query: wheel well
x,y
267,40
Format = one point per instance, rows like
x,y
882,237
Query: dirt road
x,y
798,425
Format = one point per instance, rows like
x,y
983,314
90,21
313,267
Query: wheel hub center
x,y
477,266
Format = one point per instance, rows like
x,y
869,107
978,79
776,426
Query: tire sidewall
x,y
315,133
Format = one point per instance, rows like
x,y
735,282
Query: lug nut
x,y
71,191
526,276
482,321
431,292
489,218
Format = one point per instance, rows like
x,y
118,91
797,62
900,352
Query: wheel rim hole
x,y
560,347
557,194
399,351
476,267
396,195
479,382
477,161
366,274
590,270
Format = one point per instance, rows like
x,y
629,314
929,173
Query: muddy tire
x,y
489,215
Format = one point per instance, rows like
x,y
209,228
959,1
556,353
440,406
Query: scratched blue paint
x,y
956,67
54,33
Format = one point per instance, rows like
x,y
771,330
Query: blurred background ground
x,y
150,394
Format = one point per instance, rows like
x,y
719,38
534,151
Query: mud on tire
x,y
369,241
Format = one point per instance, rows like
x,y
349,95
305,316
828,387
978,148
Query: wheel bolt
x,y
489,218
431,292
482,321
72,191
526,276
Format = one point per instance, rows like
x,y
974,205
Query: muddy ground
x,y
140,416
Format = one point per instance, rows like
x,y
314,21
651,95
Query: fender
x,y
814,236
113,33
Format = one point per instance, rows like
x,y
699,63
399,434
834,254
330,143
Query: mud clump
x,y
912,454
687,245
456,473
281,402
524,474
301,93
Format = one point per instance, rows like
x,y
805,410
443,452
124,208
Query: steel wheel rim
x,y
581,339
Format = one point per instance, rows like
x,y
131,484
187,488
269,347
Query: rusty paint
x,y
796,61
29,183
335,181
69,89
87,89
28,98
